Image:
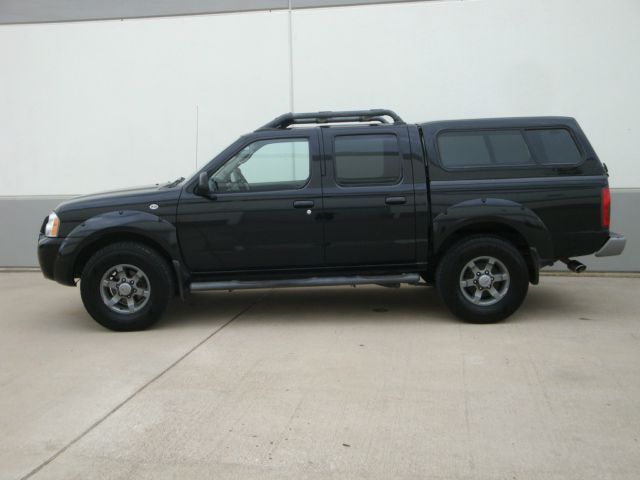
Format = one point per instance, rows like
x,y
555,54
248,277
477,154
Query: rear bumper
x,y
613,246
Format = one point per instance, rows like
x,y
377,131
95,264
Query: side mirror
x,y
203,184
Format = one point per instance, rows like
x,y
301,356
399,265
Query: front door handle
x,y
303,204
395,200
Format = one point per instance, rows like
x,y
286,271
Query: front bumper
x,y
613,246
53,265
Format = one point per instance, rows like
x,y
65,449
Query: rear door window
x,y
367,159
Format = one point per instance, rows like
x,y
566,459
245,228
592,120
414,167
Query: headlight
x,y
53,225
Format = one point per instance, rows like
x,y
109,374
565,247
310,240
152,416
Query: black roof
x,y
503,122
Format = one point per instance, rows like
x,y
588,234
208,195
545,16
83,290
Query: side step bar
x,y
307,282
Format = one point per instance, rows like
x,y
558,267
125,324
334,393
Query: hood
x,y
137,198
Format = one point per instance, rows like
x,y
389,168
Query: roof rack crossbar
x,y
375,115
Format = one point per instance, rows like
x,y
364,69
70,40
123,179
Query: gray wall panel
x,y
45,11
339,3
22,217
21,221
40,11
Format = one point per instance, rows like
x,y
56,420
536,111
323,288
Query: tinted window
x,y
509,148
554,146
265,165
463,150
367,159
478,149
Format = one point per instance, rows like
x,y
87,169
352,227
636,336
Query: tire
x,y
458,282
141,302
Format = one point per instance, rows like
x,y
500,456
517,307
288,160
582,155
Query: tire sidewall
x,y
90,286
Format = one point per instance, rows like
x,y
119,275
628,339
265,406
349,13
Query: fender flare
x,y
494,211
154,229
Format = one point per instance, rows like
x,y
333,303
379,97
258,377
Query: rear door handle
x,y
303,204
395,200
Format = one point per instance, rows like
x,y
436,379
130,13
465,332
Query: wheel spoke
x,y
494,293
109,283
474,268
113,300
477,296
489,266
466,283
500,277
130,304
137,276
142,292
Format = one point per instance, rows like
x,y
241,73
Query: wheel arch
x,y
504,219
100,241
111,227
497,213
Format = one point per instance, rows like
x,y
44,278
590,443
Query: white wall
x,y
484,58
98,105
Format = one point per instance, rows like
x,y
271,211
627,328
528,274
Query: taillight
x,y
606,207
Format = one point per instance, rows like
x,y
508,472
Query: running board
x,y
306,282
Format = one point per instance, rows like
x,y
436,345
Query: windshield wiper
x,y
175,183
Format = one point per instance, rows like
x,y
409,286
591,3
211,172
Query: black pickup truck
x,y
474,207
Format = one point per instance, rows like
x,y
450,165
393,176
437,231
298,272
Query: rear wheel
x,y
126,286
482,279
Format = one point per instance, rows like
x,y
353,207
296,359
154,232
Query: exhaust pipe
x,y
574,265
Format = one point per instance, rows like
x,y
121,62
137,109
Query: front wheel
x,y
126,286
482,279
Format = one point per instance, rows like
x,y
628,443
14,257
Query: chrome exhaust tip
x,y
574,265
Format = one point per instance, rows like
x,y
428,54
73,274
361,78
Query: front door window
x,y
265,165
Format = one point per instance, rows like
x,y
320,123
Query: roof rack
x,y
375,115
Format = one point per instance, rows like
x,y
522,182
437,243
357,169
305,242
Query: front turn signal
x,y
53,225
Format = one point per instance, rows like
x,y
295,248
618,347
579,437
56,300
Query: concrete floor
x,y
323,383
